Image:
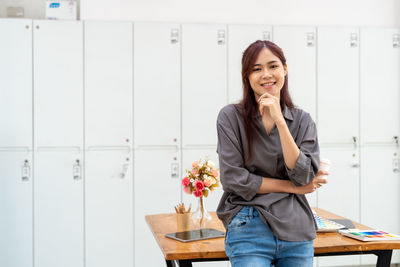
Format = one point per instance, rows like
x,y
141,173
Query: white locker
x,y
299,45
338,85
108,84
380,198
16,207
204,77
16,83
341,195
58,83
156,190
157,84
239,38
379,72
190,155
109,208
58,209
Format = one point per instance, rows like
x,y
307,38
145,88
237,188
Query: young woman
x,y
269,156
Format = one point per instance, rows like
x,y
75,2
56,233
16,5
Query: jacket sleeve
x,y
235,178
307,163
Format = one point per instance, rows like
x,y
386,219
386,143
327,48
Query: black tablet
x,y
194,235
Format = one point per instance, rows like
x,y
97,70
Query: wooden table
x,y
326,244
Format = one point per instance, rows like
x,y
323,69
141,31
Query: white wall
x,y
288,12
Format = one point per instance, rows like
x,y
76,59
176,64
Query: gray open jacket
x,y
288,215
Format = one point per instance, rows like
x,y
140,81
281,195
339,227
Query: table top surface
x,y
161,224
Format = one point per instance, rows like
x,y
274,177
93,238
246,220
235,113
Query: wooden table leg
x,y
384,258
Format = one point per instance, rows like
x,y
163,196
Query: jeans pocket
x,y
239,221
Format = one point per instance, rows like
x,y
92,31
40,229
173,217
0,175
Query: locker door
x,y
58,83
156,190
58,209
108,84
204,75
190,155
380,198
109,208
16,206
342,193
239,38
380,66
16,83
157,84
338,86
299,46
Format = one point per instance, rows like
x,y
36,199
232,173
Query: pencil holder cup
x,y
183,221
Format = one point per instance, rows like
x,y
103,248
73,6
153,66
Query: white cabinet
x,y
380,83
299,45
380,198
156,190
338,85
157,84
190,155
239,38
204,89
16,209
342,193
16,83
58,83
108,84
58,207
109,208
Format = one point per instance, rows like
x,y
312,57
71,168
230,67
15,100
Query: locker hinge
x,y
77,170
310,39
26,171
174,36
396,40
221,37
353,40
174,170
266,35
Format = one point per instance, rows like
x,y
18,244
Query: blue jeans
x,y
250,242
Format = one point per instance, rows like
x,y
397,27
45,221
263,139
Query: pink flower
x,y
194,171
215,173
186,189
195,164
198,193
207,181
199,185
185,181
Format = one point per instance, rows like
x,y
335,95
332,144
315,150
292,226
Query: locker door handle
x,y
77,170
125,169
26,171
396,165
221,37
174,170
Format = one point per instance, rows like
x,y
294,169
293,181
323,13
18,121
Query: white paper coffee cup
x,y
324,165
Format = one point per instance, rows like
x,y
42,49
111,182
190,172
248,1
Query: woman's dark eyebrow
x,y
270,62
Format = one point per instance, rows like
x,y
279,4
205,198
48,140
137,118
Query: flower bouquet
x,y
199,181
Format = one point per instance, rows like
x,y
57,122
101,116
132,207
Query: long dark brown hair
x,y
248,104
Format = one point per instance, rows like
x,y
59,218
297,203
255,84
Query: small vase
x,y
201,217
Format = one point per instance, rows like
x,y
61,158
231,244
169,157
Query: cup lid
x,y
324,160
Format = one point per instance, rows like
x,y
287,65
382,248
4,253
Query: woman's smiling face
x,y
267,74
